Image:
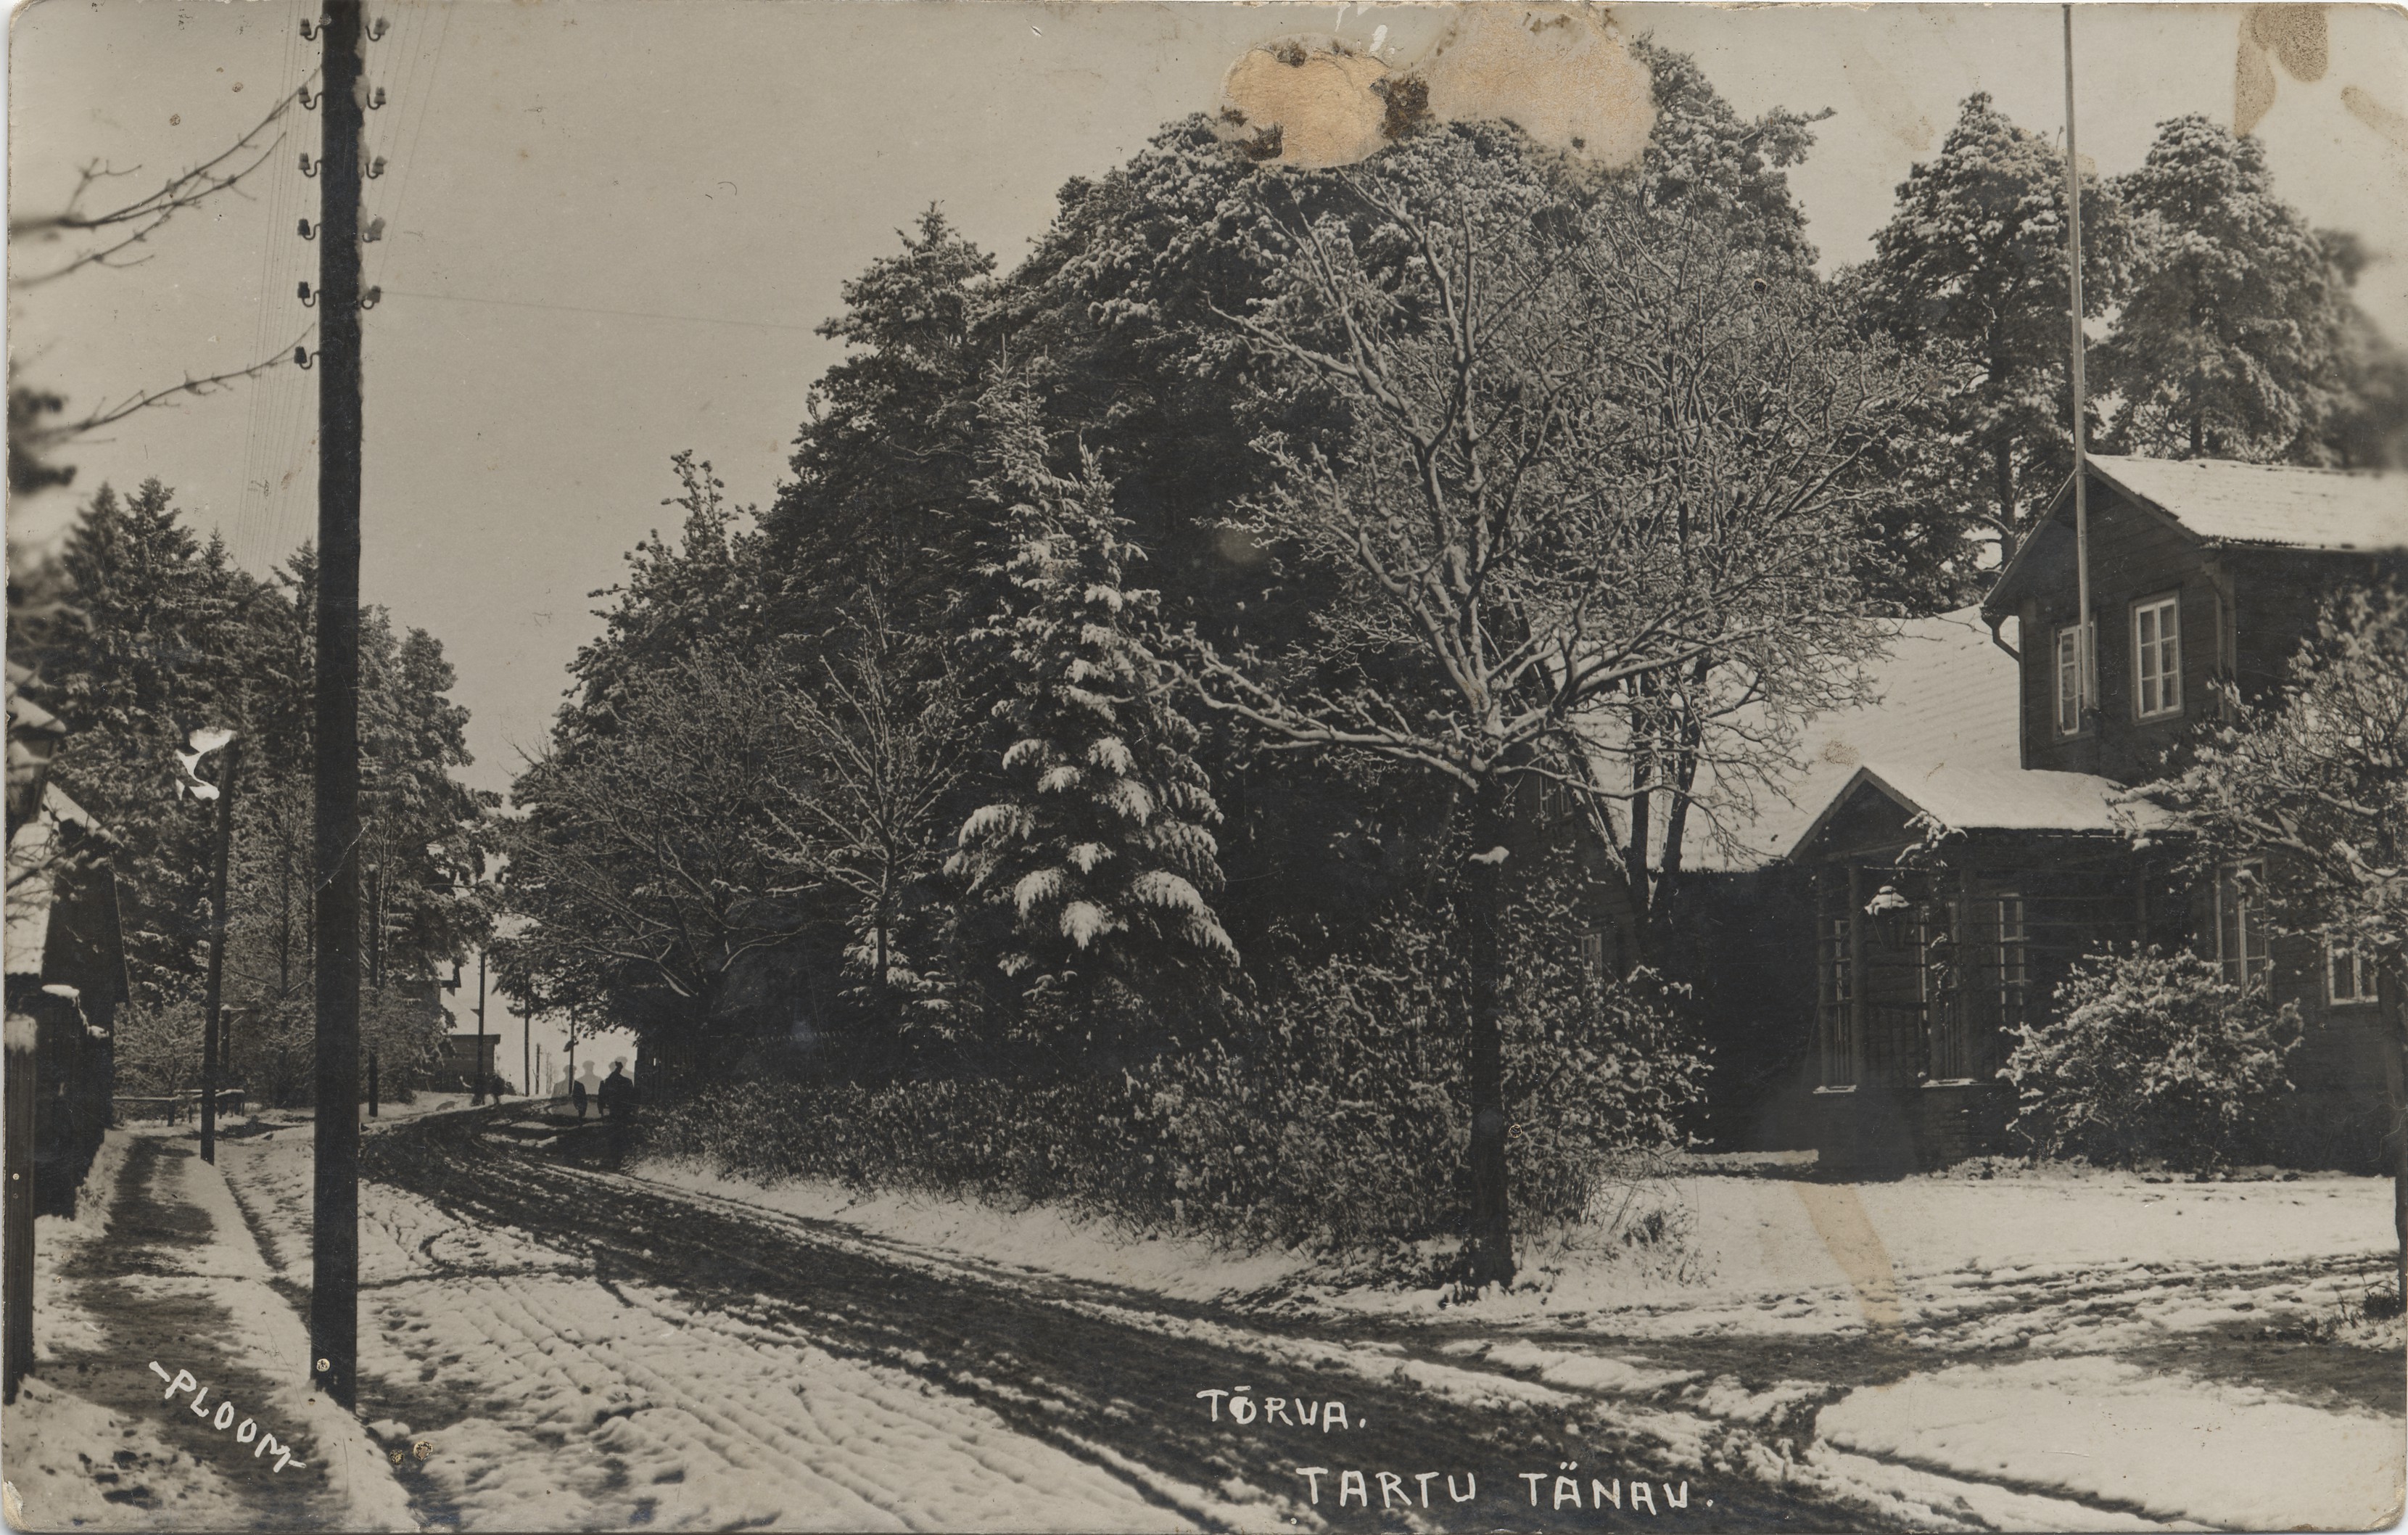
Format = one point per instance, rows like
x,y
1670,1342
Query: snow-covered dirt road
x,y
585,1350
589,1349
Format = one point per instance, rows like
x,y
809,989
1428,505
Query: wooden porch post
x,y
1961,968
1857,1011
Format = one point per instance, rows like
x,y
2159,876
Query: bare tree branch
x,y
129,225
51,436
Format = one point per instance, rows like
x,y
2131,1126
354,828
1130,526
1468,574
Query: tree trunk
x,y
2395,1098
1493,840
2010,523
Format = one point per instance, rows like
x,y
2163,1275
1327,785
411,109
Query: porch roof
x,y
1990,800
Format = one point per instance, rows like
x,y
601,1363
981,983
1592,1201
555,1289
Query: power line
x,y
583,308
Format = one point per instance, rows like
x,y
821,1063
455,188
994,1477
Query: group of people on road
x,y
615,1095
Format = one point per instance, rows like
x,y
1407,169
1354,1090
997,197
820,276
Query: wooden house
x,y
65,958
1950,892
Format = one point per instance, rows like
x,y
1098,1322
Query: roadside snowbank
x,y
1039,1240
1772,1254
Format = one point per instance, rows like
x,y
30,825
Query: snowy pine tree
x,y
1098,844
1970,273
2231,343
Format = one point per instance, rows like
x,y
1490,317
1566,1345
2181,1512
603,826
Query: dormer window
x,y
2157,658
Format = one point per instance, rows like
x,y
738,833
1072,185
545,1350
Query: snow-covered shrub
x,y
1331,1115
2153,1058
1340,1115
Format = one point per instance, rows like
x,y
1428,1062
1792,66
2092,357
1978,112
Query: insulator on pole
x,y
373,233
308,167
369,300
376,168
376,32
376,99
309,102
308,233
301,358
308,299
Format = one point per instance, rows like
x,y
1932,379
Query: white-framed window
x,y
1594,949
1551,801
1836,941
2157,658
2015,959
1943,1005
2349,974
2240,939
2069,680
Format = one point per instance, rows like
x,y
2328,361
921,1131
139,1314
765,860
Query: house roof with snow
x,y
2224,504
1945,697
33,855
1940,737
2266,505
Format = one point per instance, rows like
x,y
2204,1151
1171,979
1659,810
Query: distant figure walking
x,y
577,1099
618,1094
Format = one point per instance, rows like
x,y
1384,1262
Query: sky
x,y
611,226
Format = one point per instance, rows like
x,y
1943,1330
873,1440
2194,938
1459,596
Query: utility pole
x,y
213,998
335,1246
2086,641
478,1071
526,1048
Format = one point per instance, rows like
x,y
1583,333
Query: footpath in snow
x,y
171,1388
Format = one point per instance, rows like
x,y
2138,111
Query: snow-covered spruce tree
x,y
1098,846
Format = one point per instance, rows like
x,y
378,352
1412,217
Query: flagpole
x,y
2085,639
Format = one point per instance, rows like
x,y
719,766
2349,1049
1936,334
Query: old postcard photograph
x,y
989,765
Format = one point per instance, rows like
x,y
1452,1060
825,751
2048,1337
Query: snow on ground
x,y
73,1464
2089,1277
2166,1446
63,1325
1039,1240
551,1398
237,1274
1771,1254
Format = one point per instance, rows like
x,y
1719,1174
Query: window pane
x,y
2068,719
2157,665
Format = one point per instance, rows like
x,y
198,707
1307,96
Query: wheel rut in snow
x,y
1097,1382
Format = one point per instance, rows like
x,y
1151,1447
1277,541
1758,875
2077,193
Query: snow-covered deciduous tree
x,y
1971,272
1593,493
2311,786
879,737
1098,841
641,859
2231,341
